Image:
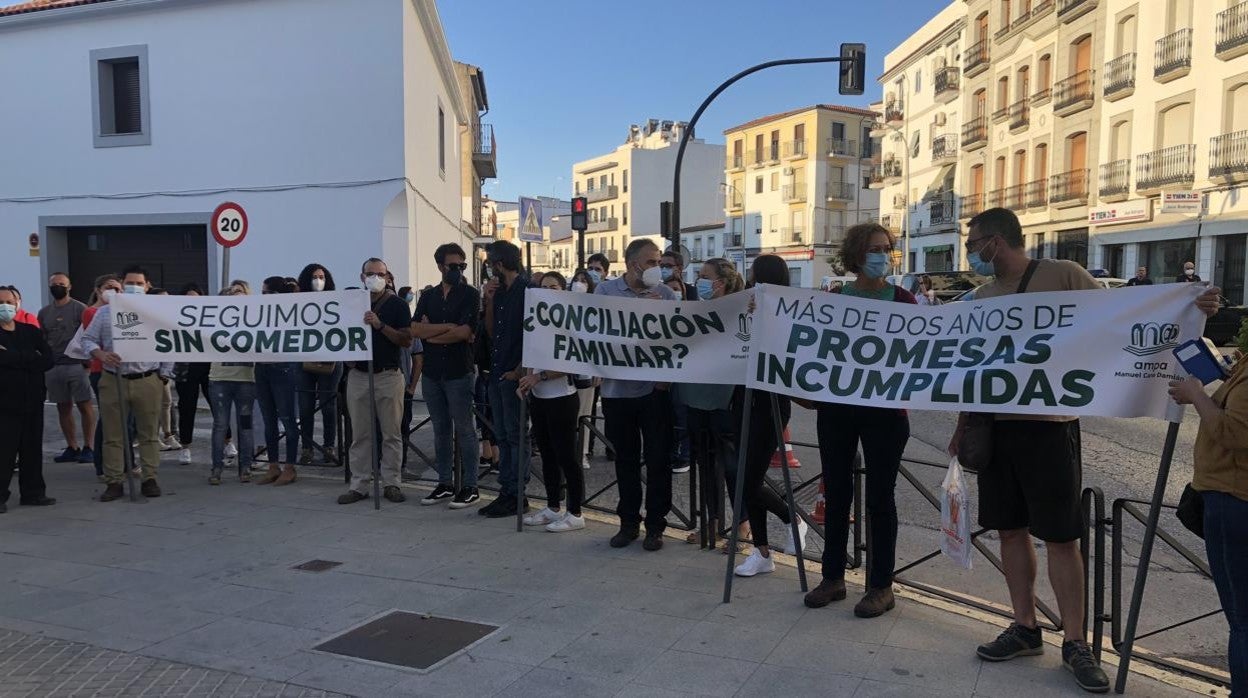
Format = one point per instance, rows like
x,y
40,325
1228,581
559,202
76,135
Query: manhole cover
x,y
317,565
407,639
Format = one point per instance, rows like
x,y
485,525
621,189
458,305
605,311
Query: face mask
x,y
59,292
929,293
876,265
1189,272
580,287
375,284
666,273
318,284
409,298
595,275
8,311
652,277
706,289
135,289
981,266
108,294
452,276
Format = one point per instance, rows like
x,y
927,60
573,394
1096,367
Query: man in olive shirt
x,y
69,383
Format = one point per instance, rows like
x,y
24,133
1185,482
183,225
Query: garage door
x,y
173,255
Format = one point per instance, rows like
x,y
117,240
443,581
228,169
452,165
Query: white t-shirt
x,y
554,387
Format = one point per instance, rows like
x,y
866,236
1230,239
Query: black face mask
x,y
452,276
58,292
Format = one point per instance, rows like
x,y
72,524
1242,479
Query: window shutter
x,y
127,97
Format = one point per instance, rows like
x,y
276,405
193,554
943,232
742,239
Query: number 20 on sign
x,y
229,224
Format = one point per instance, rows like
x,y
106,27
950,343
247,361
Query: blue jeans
x,y
1226,539
505,407
275,388
450,410
317,390
227,397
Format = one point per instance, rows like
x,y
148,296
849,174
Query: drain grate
x,y
407,639
316,565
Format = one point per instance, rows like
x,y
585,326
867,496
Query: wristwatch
x,y
541,374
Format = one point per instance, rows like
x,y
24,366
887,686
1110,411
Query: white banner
x,y
326,326
1105,353
637,339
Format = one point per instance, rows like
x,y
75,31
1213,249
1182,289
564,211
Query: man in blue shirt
x,y
504,322
638,414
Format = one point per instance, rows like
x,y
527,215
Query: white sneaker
x,y
231,451
170,443
567,523
802,528
185,456
585,464
755,564
543,517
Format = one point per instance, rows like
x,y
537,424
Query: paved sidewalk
x,y
193,594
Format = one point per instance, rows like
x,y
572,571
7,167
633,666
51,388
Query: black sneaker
x,y
441,493
351,497
679,467
69,455
1014,641
393,494
1077,656
465,498
40,501
652,542
626,535
485,510
503,507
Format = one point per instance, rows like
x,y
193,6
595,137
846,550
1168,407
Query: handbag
x,y
320,368
1191,511
975,443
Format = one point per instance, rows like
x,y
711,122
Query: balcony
x,y
831,234
734,240
888,171
842,148
1016,197
895,112
899,201
484,158
1074,94
773,152
945,149
1036,193
792,236
941,211
971,205
1120,77
604,225
1070,10
602,193
1041,97
840,191
1020,115
794,150
892,221
794,193
1001,114
996,198
948,82
975,133
738,163
733,201
1173,166
757,158
1232,41
1069,189
976,59
1172,56
1228,157
1115,180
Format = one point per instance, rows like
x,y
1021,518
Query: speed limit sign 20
x,y
229,224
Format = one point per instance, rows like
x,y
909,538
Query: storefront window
x,y
1165,258
1073,245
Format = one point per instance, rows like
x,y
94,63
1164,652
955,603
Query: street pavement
x,y
193,594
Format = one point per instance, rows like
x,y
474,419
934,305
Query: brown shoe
x,y
149,488
271,475
288,476
829,590
877,602
113,491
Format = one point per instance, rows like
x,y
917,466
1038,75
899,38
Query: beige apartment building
x,y
477,147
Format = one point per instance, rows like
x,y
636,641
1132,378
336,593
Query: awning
x,y
943,184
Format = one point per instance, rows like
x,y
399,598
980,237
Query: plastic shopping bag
x,y
955,517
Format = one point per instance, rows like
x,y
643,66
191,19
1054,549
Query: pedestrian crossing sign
x,y
531,220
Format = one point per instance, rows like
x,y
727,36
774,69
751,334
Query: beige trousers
x,y
388,386
142,400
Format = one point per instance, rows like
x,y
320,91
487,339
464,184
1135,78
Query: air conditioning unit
x,y
940,118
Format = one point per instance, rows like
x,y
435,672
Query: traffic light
x,y
853,68
580,214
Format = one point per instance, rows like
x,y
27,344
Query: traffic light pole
x,y
580,249
671,224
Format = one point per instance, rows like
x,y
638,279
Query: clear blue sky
x,y
565,78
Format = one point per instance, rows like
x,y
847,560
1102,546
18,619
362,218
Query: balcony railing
x,y
1020,114
945,147
1041,97
602,193
976,59
733,201
773,151
840,147
1228,154
831,234
891,168
794,192
1069,188
1001,114
1232,38
1166,167
1115,179
1068,10
996,198
899,200
484,157
1172,57
947,82
895,111
734,240
738,162
795,149
756,158
793,235
840,191
1120,77
892,221
1073,93
1041,7
1036,193
940,211
975,133
603,226
971,205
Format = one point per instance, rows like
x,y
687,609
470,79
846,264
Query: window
x,y
799,133
710,247
1037,252
868,143
1041,164
775,181
613,179
758,185
980,103
775,145
1022,83
799,220
1003,92
918,81
1005,14
697,249
602,182
589,184
1235,117
1073,245
1175,125
773,222
624,211
625,178
1124,36
576,188
120,105
441,141
1044,72
758,150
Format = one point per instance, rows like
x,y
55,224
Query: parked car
x,y
1105,282
948,285
1224,325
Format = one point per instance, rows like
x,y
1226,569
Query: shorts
x,y
68,383
1035,480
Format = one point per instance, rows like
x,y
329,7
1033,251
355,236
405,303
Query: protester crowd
x,y
461,346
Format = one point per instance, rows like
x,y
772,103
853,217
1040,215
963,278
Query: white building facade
x,y
136,123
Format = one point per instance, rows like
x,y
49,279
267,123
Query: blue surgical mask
x,y
8,311
666,272
409,298
876,265
980,265
135,289
595,275
706,289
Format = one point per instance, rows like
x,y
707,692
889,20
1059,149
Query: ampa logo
x,y
124,321
1152,338
744,324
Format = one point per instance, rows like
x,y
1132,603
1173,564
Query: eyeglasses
x,y
461,266
978,243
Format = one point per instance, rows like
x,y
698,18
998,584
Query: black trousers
x,y
555,425
759,498
883,434
21,436
189,389
627,420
